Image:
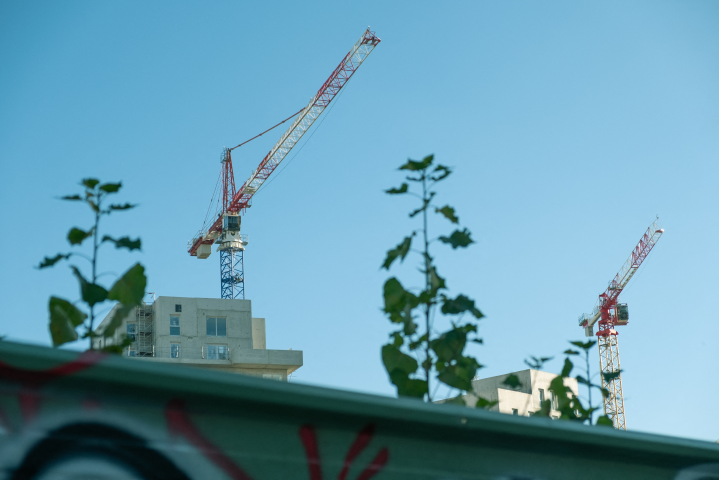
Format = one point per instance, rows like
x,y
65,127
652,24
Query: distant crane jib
x,y
621,279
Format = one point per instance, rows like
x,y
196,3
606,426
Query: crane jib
x,y
306,117
621,279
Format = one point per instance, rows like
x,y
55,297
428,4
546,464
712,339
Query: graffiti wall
x,y
90,416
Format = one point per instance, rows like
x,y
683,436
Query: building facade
x,y
212,333
524,400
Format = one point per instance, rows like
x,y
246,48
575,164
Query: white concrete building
x,y
524,400
213,333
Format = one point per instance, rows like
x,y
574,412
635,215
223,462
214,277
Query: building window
x,y
515,411
174,325
216,327
174,350
131,331
178,308
554,402
217,352
541,395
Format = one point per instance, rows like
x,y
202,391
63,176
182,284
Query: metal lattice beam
x,y
608,364
232,273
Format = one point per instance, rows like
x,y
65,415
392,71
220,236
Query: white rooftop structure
x,y
212,333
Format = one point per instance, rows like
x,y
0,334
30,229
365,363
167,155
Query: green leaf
x,y
605,421
397,339
111,187
485,404
608,377
537,363
399,366
448,212
130,288
401,251
436,282
449,346
545,408
413,388
90,182
71,197
444,172
585,345
76,236
571,352
402,189
413,165
583,381
126,206
64,318
91,292
512,381
119,313
459,305
458,239
398,304
460,374
605,392
49,262
123,242
478,340
117,349
567,369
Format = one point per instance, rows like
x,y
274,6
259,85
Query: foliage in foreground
x,y
65,317
415,355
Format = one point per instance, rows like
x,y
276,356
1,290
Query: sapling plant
x,y
569,405
419,359
69,323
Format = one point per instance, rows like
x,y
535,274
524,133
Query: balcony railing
x,y
206,352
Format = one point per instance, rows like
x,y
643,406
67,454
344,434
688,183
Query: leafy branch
x,y
569,405
415,355
65,317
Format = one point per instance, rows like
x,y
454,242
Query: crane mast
x,y
225,230
609,313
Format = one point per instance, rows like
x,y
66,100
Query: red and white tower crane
x,y
609,314
223,226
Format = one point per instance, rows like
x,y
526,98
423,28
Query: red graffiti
x,y
179,423
32,380
309,440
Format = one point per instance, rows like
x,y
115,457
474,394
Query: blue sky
x,y
570,126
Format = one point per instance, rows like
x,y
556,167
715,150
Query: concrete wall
x,y
525,398
245,339
259,340
193,324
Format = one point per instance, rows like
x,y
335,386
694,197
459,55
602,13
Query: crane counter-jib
x,y
329,90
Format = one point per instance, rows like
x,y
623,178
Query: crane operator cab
x,y
231,222
231,238
622,314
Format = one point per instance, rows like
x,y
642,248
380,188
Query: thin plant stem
x,y
427,364
94,267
